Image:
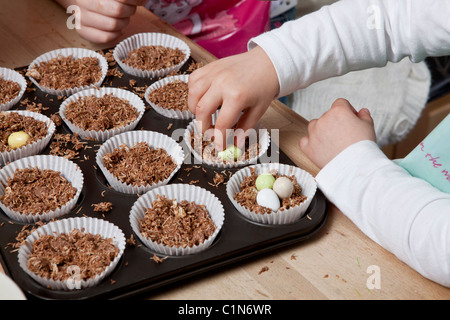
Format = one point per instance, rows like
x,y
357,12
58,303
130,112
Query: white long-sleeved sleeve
x,y
352,35
405,215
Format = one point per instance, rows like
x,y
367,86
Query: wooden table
x,y
335,264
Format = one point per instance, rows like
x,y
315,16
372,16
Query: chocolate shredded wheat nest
x,y
154,57
247,196
11,122
140,164
52,255
33,191
8,90
101,113
204,146
176,224
66,72
172,96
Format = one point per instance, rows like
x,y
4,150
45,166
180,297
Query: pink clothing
x,y
221,27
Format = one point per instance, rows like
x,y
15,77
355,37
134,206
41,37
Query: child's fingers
x,y
98,36
364,114
101,22
133,2
248,120
110,8
343,103
205,108
226,119
197,87
304,143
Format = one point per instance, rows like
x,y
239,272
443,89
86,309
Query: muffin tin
x,y
137,273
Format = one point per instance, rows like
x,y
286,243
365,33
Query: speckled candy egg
x,y
269,199
18,139
283,187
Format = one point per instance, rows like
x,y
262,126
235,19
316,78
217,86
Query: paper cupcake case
x,y
8,74
263,140
90,225
154,140
69,170
178,192
33,148
169,113
76,53
132,98
149,39
304,179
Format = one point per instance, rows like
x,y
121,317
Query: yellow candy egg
x,y
18,139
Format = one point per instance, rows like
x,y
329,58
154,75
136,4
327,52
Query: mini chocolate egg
x,y
264,181
230,153
283,187
269,199
18,139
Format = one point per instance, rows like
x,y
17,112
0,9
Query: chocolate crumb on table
x,y
66,145
52,255
131,241
8,90
33,191
13,122
102,206
176,224
158,259
66,72
101,113
263,269
140,164
247,196
154,57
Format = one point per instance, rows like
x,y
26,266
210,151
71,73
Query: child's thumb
x,y
364,114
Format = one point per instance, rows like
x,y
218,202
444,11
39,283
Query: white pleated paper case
x,y
304,179
9,74
169,113
178,192
33,148
132,98
76,53
69,170
263,139
131,138
90,225
149,39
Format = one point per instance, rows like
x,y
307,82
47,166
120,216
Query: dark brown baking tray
x,y
137,273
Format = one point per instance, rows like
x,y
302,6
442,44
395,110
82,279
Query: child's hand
x,y
337,129
246,82
102,21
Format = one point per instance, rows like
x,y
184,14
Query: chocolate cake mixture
x,y
174,224
172,96
247,196
54,256
101,113
140,164
8,90
33,191
11,122
154,57
66,72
